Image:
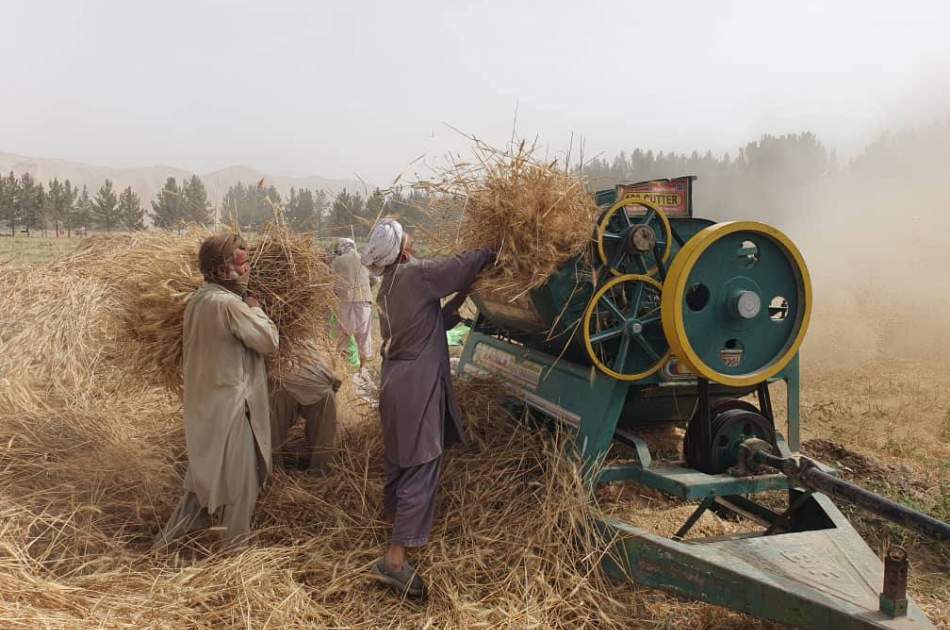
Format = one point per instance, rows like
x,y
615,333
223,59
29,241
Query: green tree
x,y
60,202
9,201
68,211
301,211
55,201
131,213
375,205
267,200
3,196
291,207
41,208
345,214
105,209
83,211
167,207
249,206
47,211
30,201
321,206
233,204
195,207
412,208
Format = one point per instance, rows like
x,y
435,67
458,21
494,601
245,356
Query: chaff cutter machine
x,y
671,318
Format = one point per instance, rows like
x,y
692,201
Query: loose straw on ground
x,y
91,463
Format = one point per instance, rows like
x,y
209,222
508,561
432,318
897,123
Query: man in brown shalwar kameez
x,y
309,392
227,425
417,404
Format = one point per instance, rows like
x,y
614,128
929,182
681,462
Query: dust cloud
x,y
875,234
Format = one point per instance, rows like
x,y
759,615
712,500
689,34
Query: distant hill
x,y
147,181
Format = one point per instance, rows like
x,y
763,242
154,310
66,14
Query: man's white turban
x,y
384,246
344,245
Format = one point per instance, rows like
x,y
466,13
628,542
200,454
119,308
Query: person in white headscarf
x,y
356,300
384,246
417,405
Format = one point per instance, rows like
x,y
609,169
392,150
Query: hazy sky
x,y
344,88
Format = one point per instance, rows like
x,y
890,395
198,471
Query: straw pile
x,y
55,332
91,463
153,275
536,214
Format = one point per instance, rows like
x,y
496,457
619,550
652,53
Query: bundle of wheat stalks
x,y
91,465
152,276
536,214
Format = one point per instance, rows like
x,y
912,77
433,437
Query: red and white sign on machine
x,y
672,196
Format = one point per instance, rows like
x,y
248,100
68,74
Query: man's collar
x,y
215,285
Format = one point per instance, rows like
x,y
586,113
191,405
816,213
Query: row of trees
x,y
773,178
791,179
346,214
27,205
769,178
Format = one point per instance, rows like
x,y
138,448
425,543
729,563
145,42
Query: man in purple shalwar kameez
x,y
417,405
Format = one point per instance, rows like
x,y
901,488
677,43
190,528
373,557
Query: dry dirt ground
x,y
886,425
85,482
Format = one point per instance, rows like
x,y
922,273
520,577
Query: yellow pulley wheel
x,y
634,244
622,329
736,303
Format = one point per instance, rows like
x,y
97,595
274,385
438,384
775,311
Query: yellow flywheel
x,y
622,329
634,244
736,303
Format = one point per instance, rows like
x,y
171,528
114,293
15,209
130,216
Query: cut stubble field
x,y
23,250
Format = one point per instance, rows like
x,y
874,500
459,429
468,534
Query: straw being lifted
x,y
154,275
536,214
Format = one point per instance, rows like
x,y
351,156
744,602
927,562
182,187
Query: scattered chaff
x,y
91,462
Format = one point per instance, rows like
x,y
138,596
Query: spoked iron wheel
x,y
622,330
634,237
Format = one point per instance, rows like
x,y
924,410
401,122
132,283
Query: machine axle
x,y
806,473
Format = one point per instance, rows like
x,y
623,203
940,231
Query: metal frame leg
x,y
698,512
792,404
